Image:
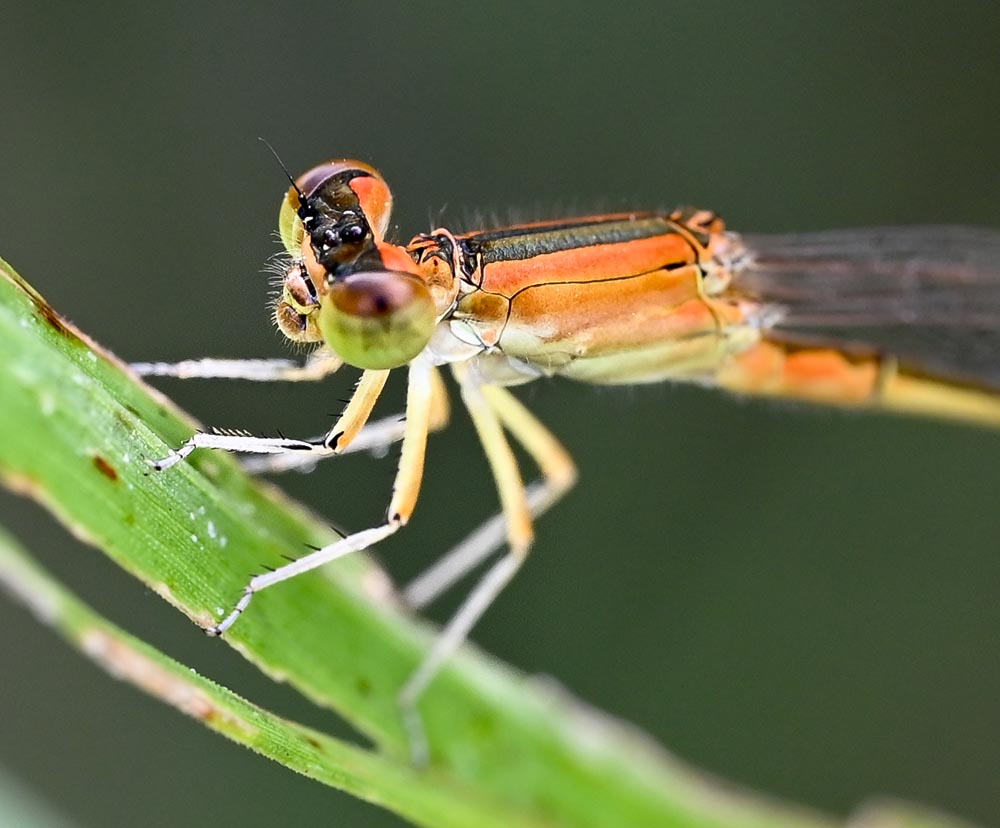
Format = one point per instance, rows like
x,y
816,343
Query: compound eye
x,y
290,226
377,319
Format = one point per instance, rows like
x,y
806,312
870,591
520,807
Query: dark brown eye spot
x,y
371,295
335,175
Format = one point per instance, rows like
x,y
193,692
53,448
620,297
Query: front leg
x,y
358,410
376,437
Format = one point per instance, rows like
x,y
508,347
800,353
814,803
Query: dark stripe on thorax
x,y
519,243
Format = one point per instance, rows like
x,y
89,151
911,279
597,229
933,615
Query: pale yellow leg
x,y
486,407
357,412
558,477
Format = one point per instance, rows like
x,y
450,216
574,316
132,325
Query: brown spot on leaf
x,y
105,468
49,314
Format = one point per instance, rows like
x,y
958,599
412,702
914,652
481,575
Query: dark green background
x,y
804,602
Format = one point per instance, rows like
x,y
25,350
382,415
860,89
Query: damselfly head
x,y
334,214
345,285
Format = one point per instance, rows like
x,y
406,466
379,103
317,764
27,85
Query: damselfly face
x,y
345,286
334,215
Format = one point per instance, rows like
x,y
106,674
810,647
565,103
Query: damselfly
x,y
897,318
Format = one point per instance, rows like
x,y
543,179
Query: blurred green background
x,y
801,601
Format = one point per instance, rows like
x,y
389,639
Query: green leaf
x,y
505,749
363,773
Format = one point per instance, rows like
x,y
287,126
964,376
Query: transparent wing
x,y
930,295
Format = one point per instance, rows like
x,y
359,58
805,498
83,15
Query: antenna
x,y
284,169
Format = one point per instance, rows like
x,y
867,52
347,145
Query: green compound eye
x,y
290,225
377,319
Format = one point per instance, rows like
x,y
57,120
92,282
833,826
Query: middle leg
x,y
517,518
558,477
